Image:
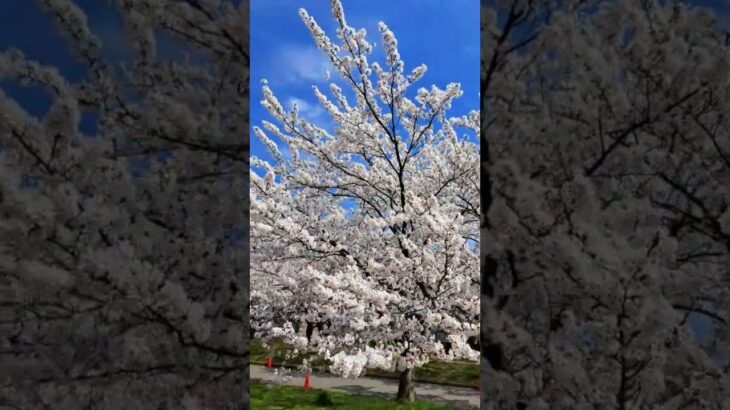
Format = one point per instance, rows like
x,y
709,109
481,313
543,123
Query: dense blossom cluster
x,y
365,235
605,236
120,285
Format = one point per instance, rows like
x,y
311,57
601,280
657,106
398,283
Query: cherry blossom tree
x,y
604,206
364,234
122,285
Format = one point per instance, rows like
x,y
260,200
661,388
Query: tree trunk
x,y
406,388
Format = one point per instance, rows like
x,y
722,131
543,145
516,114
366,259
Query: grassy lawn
x,y
291,397
456,373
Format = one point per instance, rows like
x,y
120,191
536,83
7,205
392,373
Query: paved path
x,y
461,397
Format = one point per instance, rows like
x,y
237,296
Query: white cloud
x,y
284,149
295,64
310,111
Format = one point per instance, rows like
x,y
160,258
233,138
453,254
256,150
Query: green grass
x,y
291,397
456,373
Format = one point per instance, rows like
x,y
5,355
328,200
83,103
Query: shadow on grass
x,y
264,397
459,404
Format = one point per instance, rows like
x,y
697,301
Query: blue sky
x,y
443,34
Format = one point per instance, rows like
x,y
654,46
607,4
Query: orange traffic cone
x,y
306,382
269,363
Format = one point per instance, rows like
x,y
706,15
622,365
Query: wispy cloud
x,y
309,111
293,64
284,149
